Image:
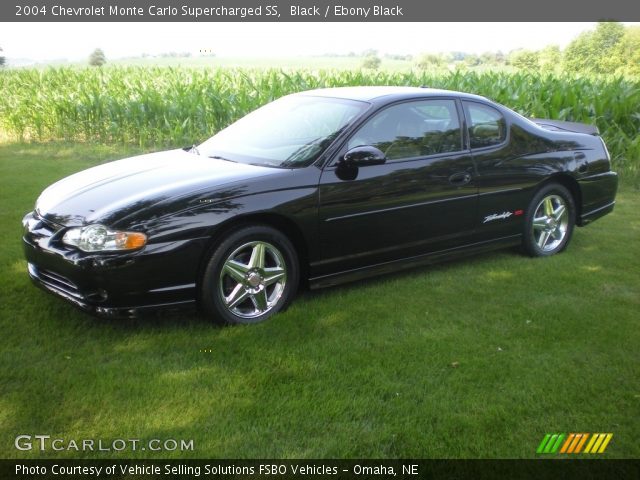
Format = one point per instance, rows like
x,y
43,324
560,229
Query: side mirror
x,y
363,156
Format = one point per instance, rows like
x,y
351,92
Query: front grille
x,y
55,281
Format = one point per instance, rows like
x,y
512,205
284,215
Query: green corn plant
x,y
177,106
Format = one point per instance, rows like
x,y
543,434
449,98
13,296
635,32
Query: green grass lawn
x,y
475,358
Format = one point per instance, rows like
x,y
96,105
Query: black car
x,y
318,188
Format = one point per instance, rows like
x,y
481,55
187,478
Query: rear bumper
x,y
598,196
160,275
592,215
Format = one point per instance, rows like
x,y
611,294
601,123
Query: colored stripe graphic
x,y
581,443
550,443
543,443
574,442
598,443
605,443
567,443
590,444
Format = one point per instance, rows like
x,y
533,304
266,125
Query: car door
x,y
422,199
502,177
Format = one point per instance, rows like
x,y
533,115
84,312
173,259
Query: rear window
x,y
487,126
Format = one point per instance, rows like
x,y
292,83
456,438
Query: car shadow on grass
x,y
176,318
411,273
192,317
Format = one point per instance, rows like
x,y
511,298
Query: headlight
x,y
98,238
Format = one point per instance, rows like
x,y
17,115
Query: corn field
x,y
164,106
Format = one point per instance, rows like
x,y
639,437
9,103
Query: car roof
x,y
370,94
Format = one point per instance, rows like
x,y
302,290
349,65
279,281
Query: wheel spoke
x,y
237,296
548,207
257,256
236,270
260,300
557,234
540,223
557,214
544,237
272,275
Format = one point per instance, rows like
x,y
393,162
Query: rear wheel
x,y
550,221
252,275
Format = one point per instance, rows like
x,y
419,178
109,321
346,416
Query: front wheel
x,y
252,275
549,222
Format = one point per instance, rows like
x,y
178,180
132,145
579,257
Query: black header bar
x,y
316,10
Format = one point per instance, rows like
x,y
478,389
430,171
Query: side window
x,y
412,129
487,126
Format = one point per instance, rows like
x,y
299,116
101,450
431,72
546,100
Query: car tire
x,y
252,274
549,221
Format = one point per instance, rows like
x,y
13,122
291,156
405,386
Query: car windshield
x,y
288,133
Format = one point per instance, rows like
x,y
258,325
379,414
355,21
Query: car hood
x,y
107,193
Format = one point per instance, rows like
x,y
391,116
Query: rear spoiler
x,y
560,126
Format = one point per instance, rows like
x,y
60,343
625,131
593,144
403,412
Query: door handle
x,y
460,178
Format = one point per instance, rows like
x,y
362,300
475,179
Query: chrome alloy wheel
x,y
550,223
252,279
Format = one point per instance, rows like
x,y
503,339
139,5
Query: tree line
x,y
610,48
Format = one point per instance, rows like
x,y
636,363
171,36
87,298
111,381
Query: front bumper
x,y
160,275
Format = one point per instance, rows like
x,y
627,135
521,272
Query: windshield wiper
x,y
195,150
218,157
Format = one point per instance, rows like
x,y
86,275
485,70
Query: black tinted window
x,y
412,129
486,125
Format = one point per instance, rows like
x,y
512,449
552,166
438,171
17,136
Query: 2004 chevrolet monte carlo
x,y
318,188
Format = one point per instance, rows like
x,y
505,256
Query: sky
x,y
75,41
